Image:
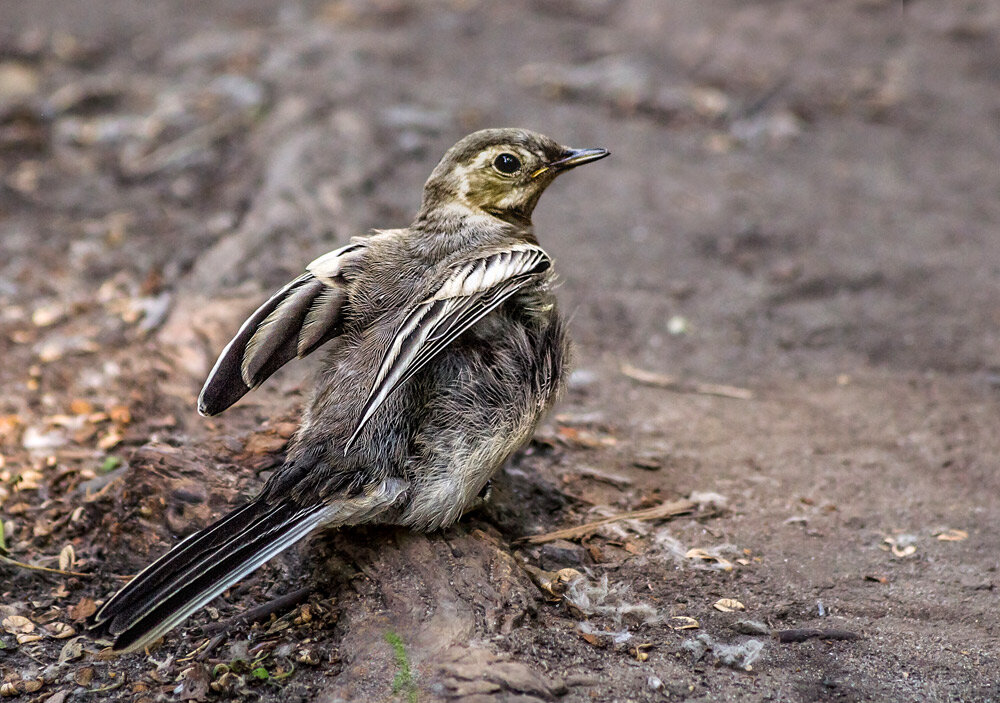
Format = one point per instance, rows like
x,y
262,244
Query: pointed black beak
x,y
571,158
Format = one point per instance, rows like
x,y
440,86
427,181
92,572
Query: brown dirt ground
x,y
802,201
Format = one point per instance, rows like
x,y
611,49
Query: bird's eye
x,y
507,164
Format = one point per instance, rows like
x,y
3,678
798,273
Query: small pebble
x,y
560,553
750,627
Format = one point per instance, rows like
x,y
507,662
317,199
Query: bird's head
x,y
501,172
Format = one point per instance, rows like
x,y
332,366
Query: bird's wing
x,y
296,320
469,292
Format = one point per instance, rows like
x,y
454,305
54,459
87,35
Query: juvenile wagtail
x,y
445,349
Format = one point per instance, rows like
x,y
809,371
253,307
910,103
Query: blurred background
x,y
794,184
802,206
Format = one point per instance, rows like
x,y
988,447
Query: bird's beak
x,y
571,158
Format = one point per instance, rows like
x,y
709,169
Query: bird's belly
x,y
456,469
487,395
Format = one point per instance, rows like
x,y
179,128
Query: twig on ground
x,y
671,383
261,612
659,512
807,633
45,569
212,644
615,480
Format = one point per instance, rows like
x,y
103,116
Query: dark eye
x,y
507,163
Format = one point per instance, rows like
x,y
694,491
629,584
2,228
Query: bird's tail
x,y
200,568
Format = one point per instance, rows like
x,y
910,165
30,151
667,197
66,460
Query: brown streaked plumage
x,y
447,349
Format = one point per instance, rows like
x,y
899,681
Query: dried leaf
x,y
84,677
564,577
953,536
641,651
67,558
579,438
194,682
29,480
278,626
71,650
902,547
60,630
17,624
83,609
683,622
46,315
109,441
10,428
701,554
78,406
728,605
307,656
120,414
27,638
553,583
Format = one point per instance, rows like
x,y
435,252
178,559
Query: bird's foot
x,y
480,500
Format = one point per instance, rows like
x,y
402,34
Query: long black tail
x,y
200,568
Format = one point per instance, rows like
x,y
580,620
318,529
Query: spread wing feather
x,y
294,322
468,294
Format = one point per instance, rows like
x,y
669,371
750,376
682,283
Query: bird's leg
x,y
480,500
486,491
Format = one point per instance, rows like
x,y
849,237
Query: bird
x,y
445,349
